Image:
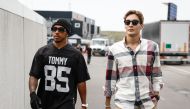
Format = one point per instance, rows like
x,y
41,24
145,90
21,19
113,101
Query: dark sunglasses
x,y
134,22
60,29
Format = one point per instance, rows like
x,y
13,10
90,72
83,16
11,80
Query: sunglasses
x,y
134,22
60,29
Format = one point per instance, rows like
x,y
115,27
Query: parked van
x,y
99,46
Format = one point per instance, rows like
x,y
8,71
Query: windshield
x,y
98,42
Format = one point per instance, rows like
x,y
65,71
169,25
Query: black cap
x,y
64,23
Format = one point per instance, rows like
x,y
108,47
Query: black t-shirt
x,y
59,71
89,51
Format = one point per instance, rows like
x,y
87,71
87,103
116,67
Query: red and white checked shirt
x,y
133,75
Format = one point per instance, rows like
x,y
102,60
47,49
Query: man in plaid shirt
x,y
133,69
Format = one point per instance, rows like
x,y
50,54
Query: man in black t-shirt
x,y
61,70
79,48
89,53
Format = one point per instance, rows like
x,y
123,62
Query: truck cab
x,y
99,46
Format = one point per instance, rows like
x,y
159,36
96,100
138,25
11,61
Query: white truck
x,y
173,38
100,46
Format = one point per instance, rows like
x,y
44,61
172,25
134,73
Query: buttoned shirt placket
x,y
134,62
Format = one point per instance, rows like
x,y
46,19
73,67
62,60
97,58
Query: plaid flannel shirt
x,y
133,75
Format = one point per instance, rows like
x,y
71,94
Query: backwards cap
x,y
63,23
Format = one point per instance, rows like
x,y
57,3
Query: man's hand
x,y
155,98
35,101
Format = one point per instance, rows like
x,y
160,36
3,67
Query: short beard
x,y
60,41
57,41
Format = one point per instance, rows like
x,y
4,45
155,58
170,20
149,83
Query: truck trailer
x,y
173,38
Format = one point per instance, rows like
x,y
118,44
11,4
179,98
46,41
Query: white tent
x,y
75,36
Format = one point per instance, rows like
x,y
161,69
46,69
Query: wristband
x,y
84,105
106,106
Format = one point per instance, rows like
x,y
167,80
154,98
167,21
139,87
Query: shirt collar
x,y
127,45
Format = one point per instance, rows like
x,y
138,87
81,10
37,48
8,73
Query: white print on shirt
x,y
57,60
52,73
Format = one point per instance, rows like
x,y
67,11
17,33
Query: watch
x,y
84,105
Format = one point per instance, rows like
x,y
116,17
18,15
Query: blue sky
x,y
108,14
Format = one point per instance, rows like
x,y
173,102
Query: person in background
x,y
133,70
89,53
61,70
79,48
